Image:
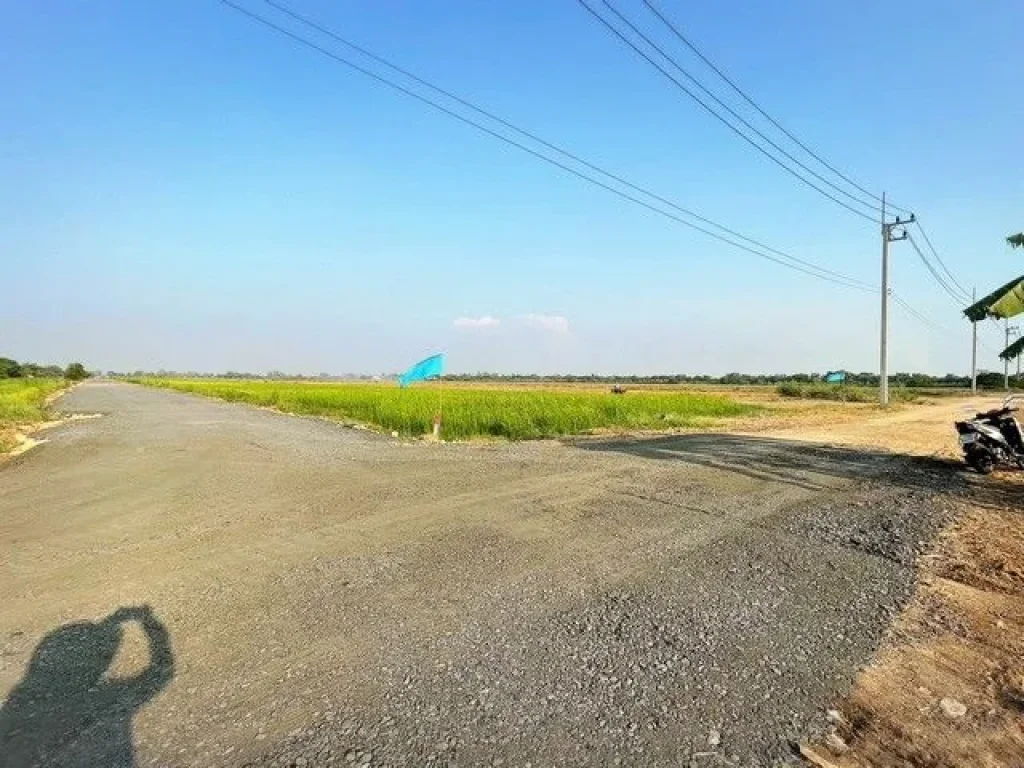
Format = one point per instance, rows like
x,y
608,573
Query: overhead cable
x,y
549,145
800,265
958,298
674,28
938,258
710,110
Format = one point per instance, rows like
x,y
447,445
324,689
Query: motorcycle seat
x,y
996,413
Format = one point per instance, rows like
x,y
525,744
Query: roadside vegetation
x,y
24,389
23,401
472,412
847,393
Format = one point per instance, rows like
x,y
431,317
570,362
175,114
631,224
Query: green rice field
x,y
469,412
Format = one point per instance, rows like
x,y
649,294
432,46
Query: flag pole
x,y
440,403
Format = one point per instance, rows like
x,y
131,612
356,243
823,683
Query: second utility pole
x,y
1014,330
883,364
974,348
1006,362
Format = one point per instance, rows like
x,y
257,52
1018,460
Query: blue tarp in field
x,y
430,368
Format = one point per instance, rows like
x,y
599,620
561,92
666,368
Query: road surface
x,y
191,582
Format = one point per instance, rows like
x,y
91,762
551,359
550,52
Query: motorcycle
x,y
992,438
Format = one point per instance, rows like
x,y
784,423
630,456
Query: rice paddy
x,y
468,412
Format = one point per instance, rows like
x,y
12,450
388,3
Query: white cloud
x,y
552,323
484,321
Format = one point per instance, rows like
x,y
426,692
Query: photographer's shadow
x,y
65,711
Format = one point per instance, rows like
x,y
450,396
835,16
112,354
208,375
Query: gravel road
x,y
324,596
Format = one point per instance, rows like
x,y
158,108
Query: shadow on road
x,y
66,712
810,465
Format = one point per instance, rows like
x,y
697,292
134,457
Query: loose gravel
x,y
726,660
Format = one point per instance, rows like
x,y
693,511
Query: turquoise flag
x,y
430,368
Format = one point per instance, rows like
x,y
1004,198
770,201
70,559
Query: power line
x,y
935,274
929,322
637,31
938,258
719,117
991,349
820,272
923,318
561,150
717,70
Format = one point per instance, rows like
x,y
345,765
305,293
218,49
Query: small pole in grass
x,y
437,414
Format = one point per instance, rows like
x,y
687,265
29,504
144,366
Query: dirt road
x,y
916,430
321,595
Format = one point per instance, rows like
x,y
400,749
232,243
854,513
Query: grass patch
x,y
842,392
23,401
516,414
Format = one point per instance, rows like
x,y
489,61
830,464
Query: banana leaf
x,y
1013,350
1006,301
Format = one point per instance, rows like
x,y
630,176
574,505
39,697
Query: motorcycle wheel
x,y
982,461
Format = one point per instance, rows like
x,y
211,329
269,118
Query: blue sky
x,y
183,188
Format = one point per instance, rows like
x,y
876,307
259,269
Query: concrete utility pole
x,y
887,237
1006,364
974,348
883,363
1011,330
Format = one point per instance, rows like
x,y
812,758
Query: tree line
x,y
12,369
865,379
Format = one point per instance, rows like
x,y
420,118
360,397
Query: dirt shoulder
x,y
919,429
947,687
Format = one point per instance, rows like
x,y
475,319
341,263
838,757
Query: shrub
x,y
840,392
76,372
9,369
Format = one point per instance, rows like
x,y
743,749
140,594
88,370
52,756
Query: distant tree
x,y
990,380
1016,241
76,372
10,369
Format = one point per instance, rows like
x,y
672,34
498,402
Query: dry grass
x,y
962,637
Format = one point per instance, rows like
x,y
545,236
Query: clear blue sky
x,y
182,188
